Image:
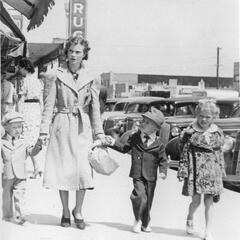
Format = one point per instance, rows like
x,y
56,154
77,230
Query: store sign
x,y
77,18
236,70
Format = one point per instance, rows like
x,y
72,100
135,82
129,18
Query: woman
x,y
202,163
74,96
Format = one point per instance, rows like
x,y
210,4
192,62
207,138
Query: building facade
x,y
121,84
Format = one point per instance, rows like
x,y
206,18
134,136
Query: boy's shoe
x,y
137,226
189,227
208,236
146,229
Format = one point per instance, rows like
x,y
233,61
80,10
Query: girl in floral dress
x,y
202,164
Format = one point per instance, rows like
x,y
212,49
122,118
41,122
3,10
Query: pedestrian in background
x,y
31,108
14,152
75,95
8,95
202,164
147,154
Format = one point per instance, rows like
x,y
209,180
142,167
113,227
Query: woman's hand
x,y
103,139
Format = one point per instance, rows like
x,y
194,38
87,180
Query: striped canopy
x,y
34,10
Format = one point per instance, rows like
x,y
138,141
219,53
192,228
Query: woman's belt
x,y
69,110
32,100
74,110
207,150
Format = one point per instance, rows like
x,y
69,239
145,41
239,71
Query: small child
x,y
14,152
147,154
201,165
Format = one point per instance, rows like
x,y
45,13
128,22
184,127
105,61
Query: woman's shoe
x,y
65,222
79,222
208,236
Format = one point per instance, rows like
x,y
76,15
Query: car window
x,y
119,106
165,107
109,106
142,108
132,108
225,109
185,109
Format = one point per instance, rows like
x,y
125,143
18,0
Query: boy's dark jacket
x,y
145,160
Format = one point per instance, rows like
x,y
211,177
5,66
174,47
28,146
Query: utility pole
x,y
217,74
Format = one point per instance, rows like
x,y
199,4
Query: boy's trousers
x,y
14,192
142,197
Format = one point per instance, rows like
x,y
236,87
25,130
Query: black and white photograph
x,y
120,119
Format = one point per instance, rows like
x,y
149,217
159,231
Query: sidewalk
x,y
108,212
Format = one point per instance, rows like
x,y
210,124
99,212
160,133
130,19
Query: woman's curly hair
x,y
208,103
75,40
26,64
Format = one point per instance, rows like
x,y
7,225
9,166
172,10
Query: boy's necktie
x,y
13,141
146,138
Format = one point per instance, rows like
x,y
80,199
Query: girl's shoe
x,y
189,227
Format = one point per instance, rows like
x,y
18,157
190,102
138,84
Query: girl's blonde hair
x,y
208,103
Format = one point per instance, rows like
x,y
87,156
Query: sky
x,y
175,37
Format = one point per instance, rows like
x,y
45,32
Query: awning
x,y
34,10
11,36
44,52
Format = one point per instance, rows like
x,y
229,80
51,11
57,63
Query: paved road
x,y
108,212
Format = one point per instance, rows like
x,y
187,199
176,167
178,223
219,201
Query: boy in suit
x,y
147,154
14,152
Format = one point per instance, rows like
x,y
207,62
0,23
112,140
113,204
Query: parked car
x,y
179,112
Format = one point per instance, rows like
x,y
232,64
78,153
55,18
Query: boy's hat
x,y
12,117
155,115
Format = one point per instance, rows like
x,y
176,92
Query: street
x,y
108,212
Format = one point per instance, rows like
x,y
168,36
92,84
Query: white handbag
x,y
101,162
